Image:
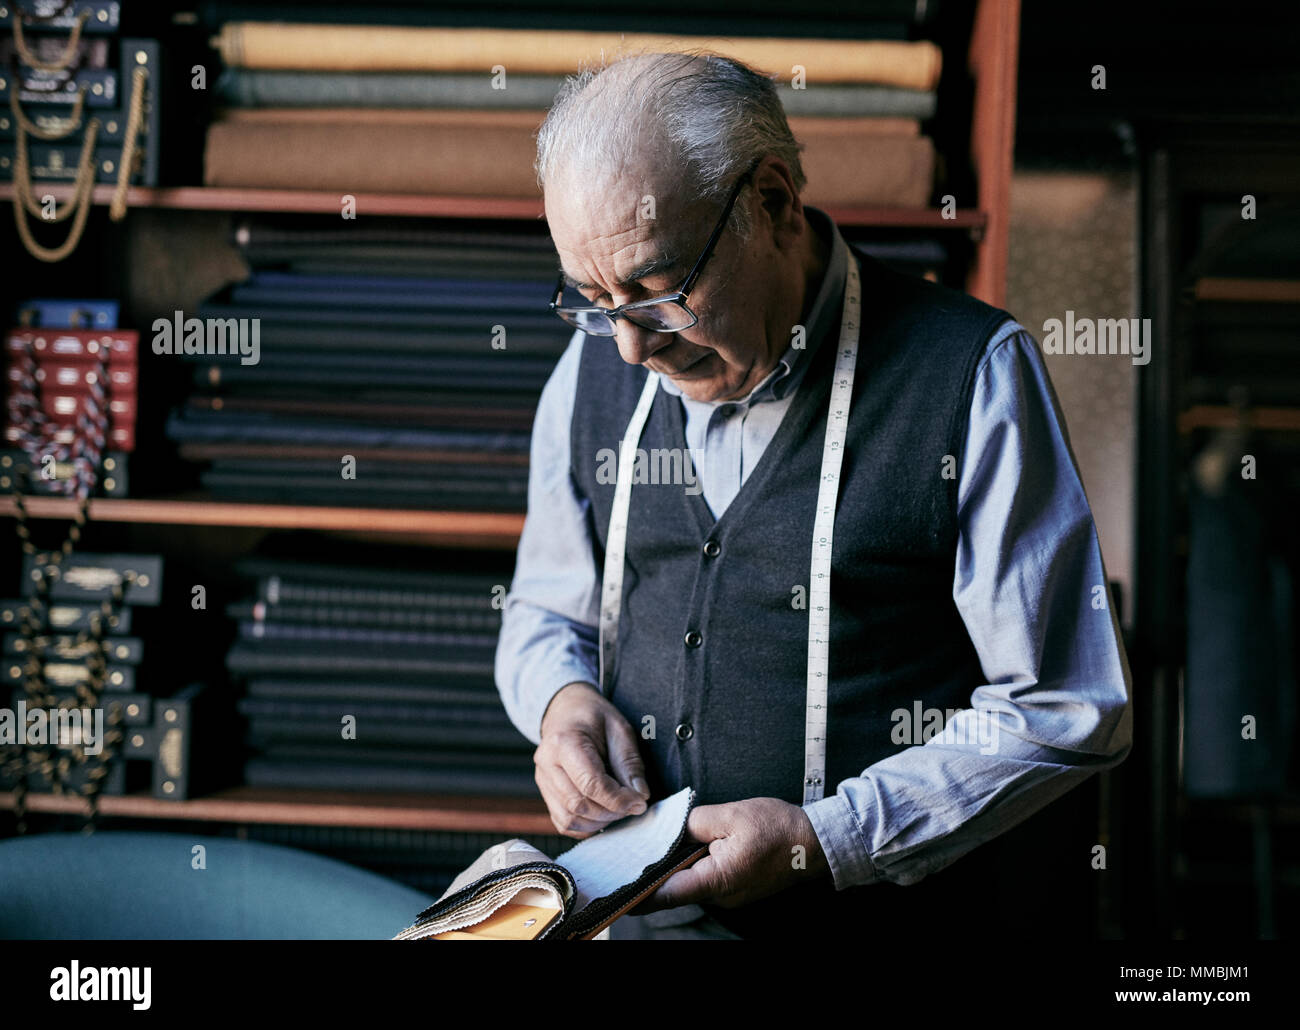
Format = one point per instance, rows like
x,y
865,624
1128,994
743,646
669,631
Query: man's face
x,y
616,256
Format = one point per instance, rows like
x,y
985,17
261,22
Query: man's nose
x,y
636,345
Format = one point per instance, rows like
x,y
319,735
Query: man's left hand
x,y
756,848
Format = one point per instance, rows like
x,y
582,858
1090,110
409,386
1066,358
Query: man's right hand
x,y
588,767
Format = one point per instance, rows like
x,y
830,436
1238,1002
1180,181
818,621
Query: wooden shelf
x,y
1247,291
319,808
207,198
1218,416
447,528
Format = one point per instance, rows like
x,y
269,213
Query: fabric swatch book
x,y
514,892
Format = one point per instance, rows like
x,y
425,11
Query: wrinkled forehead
x,y
599,202
620,216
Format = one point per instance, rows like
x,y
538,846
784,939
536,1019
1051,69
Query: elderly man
x,y
831,423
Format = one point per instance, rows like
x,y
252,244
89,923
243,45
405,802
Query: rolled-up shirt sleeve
x,y
548,628
1031,588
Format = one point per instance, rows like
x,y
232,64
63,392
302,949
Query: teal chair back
x,y
134,886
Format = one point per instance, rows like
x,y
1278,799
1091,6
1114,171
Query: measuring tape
x,y
819,583
819,586
611,590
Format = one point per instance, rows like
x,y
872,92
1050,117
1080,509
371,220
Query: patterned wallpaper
x,y
1073,246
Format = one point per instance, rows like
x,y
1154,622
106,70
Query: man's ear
x,y
780,200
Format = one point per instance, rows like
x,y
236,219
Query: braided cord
x,y
30,127
78,207
29,57
86,453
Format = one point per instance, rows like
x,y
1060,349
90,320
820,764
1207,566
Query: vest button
x,y
712,549
693,639
685,731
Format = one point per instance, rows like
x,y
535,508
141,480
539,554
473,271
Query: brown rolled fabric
x,y
867,169
386,154
349,117
848,161
912,65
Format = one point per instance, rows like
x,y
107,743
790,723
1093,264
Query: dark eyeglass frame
x,y
678,297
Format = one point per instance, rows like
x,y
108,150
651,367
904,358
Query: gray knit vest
x,y
713,635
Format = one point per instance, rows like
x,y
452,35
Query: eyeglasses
x,y
665,314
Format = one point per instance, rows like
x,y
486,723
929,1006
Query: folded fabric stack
x,y
374,679
398,365
393,108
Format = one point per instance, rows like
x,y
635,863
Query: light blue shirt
x,y
1028,582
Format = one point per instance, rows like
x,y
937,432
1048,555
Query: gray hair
x,y
715,116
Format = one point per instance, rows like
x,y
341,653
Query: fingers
x,y
588,764
625,757
581,797
687,886
564,803
585,766
707,823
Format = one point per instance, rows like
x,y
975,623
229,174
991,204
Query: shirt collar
x,y
818,318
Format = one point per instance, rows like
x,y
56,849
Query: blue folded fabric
x,y
254,427
382,293
475,319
